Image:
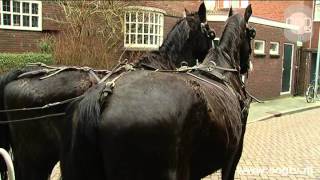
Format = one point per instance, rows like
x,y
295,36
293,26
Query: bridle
x,y
205,29
251,34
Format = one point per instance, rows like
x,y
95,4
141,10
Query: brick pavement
x,y
286,147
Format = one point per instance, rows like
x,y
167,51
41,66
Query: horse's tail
x,y
85,154
4,128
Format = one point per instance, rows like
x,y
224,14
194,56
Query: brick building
x,y
279,67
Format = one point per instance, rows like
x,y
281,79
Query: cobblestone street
x,y
286,147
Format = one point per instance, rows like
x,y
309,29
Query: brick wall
x,y
26,41
266,79
172,8
274,10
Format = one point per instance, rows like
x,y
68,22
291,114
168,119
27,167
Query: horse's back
x,y
55,88
152,119
141,124
36,143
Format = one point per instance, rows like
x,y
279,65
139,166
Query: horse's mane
x,y
170,49
230,40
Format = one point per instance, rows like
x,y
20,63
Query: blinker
x,y
251,32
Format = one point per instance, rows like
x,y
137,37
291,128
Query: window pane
x,y
151,39
35,21
156,29
216,42
151,29
226,3
317,13
127,28
146,17
151,17
139,28
145,39
16,6
25,7
26,21
156,39
157,18
16,20
34,8
133,39
6,5
133,17
244,3
258,45
139,39
127,16
127,39
146,28
6,19
140,17
235,3
133,28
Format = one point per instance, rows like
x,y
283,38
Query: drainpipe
x,y
317,68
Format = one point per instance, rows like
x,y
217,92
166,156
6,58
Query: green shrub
x,y
11,61
46,44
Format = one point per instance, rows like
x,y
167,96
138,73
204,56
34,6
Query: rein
x,y
32,119
57,70
43,107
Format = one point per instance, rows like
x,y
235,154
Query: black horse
x,y
36,144
166,125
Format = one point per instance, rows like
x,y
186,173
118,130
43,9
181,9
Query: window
x,y
143,28
21,15
259,47
216,42
317,11
274,48
235,3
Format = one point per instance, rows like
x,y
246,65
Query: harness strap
x,y
43,107
56,70
93,74
34,118
202,79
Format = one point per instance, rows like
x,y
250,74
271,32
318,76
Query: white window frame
x,y
149,11
259,51
235,3
277,51
21,27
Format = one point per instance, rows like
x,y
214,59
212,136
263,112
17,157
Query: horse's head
x,y
247,33
200,34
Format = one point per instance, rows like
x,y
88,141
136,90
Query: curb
x,y
291,111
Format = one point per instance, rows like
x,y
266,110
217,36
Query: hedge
x,y
11,61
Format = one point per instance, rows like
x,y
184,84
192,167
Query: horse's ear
x,y
248,13
230,11
185,13
202,12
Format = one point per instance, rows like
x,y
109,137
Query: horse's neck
x,y
227,62
172,51
155,60
174,47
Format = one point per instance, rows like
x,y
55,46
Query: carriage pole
x,y
317,68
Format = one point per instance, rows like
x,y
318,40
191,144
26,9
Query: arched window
x,y
143,28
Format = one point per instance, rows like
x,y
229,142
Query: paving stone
x,y
286,147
